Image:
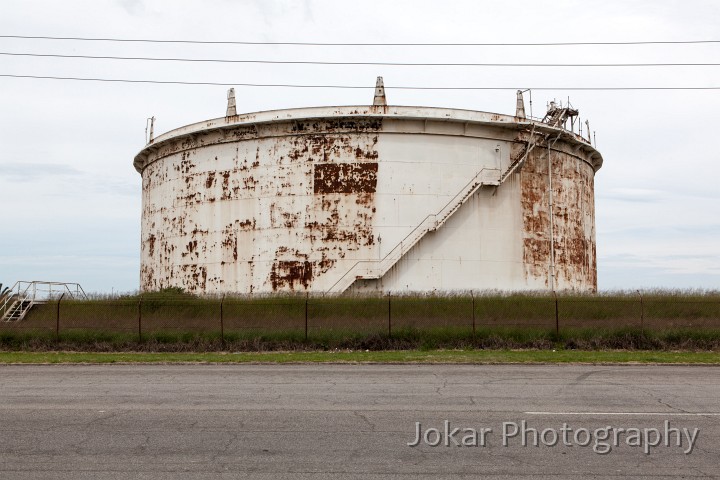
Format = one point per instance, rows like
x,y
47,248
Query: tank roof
x,y
367,111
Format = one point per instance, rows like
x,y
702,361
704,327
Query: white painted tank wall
x,y
477,249
231,205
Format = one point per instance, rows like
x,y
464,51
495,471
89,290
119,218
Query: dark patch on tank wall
x,y
366,154
243,132
325,264
147,275
226,192
230,242
345,178
326,147
191,248
195,277
291,274
247,224
342,124
177,226
299,150
186,165
210,180
249,183
151,245
290,220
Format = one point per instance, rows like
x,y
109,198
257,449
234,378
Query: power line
x,y
282,85
350,44
398,64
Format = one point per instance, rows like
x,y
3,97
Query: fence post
x,y
307,296
472,295
139,312
222,321
57,319
557,314
642,311
389,315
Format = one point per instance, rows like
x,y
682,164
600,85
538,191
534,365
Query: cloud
x,y
30,172
626,271
643,195
133,7
94,273
688,264
62,180
631,277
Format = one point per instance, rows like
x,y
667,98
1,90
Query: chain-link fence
x,y
310,317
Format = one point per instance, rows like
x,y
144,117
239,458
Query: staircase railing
x,y
377,268
25,294
521,160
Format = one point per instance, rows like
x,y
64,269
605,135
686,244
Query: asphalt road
x,y
355,421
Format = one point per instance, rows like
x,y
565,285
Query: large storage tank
x,y
371,198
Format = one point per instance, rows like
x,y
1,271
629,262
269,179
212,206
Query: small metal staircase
x,y
17,310
16,304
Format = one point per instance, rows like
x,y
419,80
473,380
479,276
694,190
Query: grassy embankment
x,y
663,321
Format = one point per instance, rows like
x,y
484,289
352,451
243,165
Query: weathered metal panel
x,y
573,233
345,178
212,205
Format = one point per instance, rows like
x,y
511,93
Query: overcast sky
x,y
70,198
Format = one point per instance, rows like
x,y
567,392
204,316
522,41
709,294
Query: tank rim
x,y
366,111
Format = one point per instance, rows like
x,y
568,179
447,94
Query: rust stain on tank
x,y
230,242
291,274
151,245
210,180
573,242
247,224
345,177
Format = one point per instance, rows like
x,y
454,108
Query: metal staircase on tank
x,y
20,299
17,310
557,116
517,164
373,269
368,269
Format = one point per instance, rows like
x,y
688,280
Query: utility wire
x,y
392,64
281,85
350,44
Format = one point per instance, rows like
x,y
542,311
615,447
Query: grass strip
x,y
403,356
402,339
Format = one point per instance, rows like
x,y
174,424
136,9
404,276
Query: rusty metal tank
x,y
369,198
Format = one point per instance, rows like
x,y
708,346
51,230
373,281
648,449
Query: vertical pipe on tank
x,y
552,235
582,216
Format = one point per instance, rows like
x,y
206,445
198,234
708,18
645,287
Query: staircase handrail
x,y
21,291
402,247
